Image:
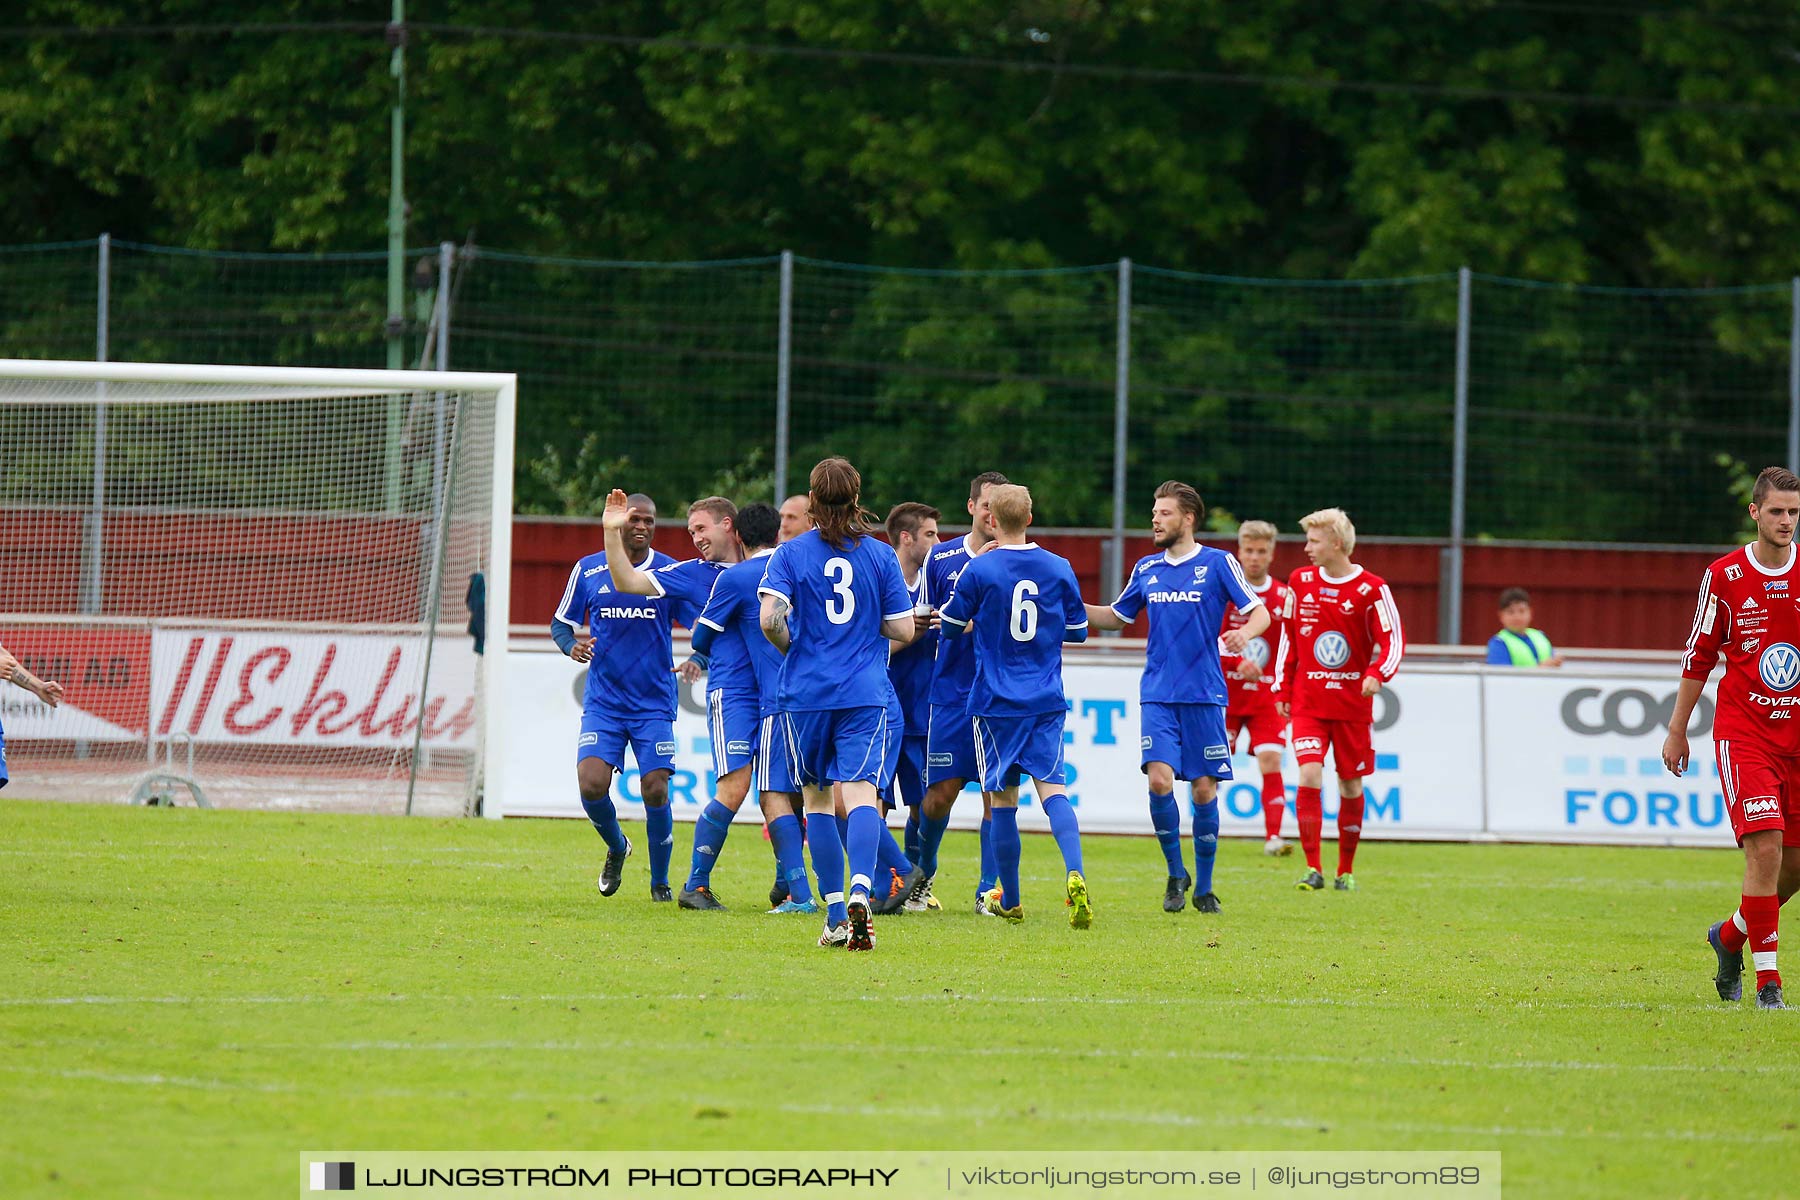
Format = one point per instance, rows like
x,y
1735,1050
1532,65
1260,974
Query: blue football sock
x,y
659,831
889,857
931,836
605,816
790,858
990,869
709,838
1065,830
828,864
912,833
1006,854
867,832
1166,819
1206,844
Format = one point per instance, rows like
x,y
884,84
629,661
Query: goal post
x,y
259,571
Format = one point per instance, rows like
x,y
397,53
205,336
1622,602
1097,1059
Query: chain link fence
x,y
1455,406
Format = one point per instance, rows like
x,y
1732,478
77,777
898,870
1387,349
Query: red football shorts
x,y
1762,790
1267,728
1352,751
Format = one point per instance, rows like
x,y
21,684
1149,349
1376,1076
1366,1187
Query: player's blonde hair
x,y
1011,505
1257,531
1334,521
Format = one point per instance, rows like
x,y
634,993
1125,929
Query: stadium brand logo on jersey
x,y
605,590
1200,574
1775,585
667,748
1349,607
623,613
1306,631
593,571
1308,745
737,747
1328,591
1172,597
1331,650
1363,589
1762,806
1257,651
1779,667
1749,604
1144,743
588,739
1150,579
1217,752
937,760
1734,572
1749,645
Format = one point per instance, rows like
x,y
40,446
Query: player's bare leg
x,y
1165,818
1349,821
1206,841
659,831
1310,813
594,777
1274,799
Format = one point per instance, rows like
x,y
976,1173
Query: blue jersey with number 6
x,y
1024,604
837,599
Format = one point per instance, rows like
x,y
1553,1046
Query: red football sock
x,y
1311,812
1762,916
1732,932
1274,798
1350,819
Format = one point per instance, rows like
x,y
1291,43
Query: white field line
x,y
1057,1052
1459,1003
1012,1120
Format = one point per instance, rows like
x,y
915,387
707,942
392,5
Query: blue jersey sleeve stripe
x,y
713,625
1077,625
765,590
950,620
568,596
905,612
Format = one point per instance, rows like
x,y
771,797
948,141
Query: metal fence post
x,y
1450,579
1113,575
784,347
1793,454
92,594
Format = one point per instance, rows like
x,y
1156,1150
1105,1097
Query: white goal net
x,y
259,587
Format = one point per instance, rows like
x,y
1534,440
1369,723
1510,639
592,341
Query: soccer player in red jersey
x,y
1340,642
1747,613
1250,678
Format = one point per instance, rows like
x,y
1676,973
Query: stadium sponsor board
x,y
1426,782
105,673
1579,758
310,689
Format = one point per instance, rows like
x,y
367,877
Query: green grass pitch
x,y
192,998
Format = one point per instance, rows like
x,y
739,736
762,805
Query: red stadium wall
x,y
1610,598
220,565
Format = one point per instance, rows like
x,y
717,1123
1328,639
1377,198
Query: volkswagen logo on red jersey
x,y
1779,667
1332,651
1257,651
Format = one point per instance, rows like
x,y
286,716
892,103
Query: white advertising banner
x,y
1427,780
1579,758
310,689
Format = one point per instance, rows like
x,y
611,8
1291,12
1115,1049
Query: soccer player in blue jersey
x,y
950,740
1185,587
630,696
829,598
1019,603
712,524
912,530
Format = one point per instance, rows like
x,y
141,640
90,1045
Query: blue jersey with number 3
x,y
1024,603
837,600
